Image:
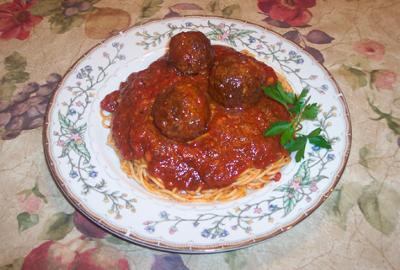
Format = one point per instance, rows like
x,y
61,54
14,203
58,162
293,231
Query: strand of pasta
x,y
105,119
251,179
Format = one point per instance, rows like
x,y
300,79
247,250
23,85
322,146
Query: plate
x,y
88,171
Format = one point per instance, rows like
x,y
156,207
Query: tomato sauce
x,y
233,143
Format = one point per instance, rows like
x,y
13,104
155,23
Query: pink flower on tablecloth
x,y
16,21
30,203
86,227
102,258
292,12
50,255
383,79
370,48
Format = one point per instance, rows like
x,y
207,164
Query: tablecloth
x,y
356,228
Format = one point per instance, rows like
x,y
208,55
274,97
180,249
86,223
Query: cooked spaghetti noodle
x,y
193,134
251,179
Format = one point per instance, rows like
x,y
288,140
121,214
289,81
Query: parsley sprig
x,y
300,110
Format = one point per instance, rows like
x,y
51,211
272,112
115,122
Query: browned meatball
x,y
190,52
182,112
235,81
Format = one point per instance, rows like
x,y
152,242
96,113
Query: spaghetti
x,y
190,126
251,179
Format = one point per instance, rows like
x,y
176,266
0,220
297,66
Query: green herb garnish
x,y
300,110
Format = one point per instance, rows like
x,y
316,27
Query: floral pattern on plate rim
x,y
230,34
70,139
300,187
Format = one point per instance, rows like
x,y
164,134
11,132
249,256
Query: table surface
x,y
356,228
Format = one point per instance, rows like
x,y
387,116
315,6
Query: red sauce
x,y
234,141
110,102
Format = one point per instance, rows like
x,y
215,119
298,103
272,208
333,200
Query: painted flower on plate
x,y
296,185
60,143
331,157
76,137
93,174
313,187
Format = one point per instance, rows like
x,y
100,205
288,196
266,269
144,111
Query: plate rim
x,y
186,249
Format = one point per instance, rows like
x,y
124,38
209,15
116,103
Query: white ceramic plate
x,y
88,171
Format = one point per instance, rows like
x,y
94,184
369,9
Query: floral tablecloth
x,y
356,228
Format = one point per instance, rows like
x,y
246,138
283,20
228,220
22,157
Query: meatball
x,y
190,52
235,81
182,112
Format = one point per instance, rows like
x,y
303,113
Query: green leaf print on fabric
x,y
370,157
356,78
15,61
213,5
186,6
116,241
64,15
46,7
15,65
235,259
60,24
392,122
379,205
14,77
35,191
344,199
57,226
150,7
27,220
228,10
30,202
15,265
363,154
